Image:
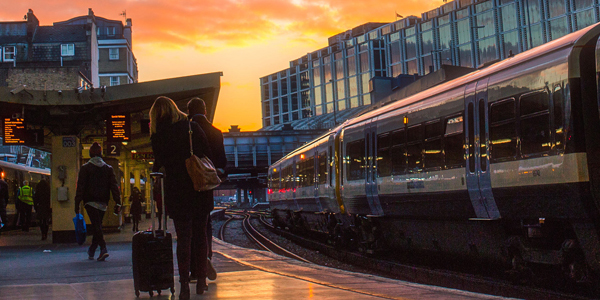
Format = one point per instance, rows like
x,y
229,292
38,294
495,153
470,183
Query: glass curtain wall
x,y
466,33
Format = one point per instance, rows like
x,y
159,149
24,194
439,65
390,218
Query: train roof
x,y
566,41
7,165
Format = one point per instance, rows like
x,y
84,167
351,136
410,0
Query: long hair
x,y
164,110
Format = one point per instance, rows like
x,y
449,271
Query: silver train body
x,y
15,174
501,164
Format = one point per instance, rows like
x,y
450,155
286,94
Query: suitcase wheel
x,y
151,293
137,293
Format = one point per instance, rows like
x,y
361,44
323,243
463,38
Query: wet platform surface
x,y
65,273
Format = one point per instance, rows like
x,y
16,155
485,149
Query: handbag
x,y
80,230
201,170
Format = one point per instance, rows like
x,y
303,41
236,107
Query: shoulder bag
x,y
201,170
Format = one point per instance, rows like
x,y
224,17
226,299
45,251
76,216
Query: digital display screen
x,y
118,128
142,155
14,131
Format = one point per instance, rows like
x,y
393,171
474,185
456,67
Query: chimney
x,y
32,24
127,32
234,128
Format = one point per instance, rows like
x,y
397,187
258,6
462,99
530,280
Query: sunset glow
x,y
245,40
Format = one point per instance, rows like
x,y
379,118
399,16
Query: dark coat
x,y
217,149
215,141
136,204
3,191
41,200
171,148
95,184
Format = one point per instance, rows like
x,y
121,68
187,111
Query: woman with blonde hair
x,y
170,139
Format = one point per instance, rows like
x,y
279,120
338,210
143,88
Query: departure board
x,y
14,131
118,128
142,155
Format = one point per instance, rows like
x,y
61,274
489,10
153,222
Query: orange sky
x,y
246,40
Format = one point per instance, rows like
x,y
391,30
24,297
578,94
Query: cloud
x,y
226,23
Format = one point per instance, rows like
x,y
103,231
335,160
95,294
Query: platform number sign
x,y
114,149
69,142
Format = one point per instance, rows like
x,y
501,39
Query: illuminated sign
x,y
142,155
118,128
14,131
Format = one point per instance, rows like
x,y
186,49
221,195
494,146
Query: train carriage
x,y
502,163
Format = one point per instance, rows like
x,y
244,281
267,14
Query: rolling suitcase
x,y
152,255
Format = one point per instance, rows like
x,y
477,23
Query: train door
x,y
317,177
292,182
370,166
477,142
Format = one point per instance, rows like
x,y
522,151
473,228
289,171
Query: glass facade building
x,y
466,33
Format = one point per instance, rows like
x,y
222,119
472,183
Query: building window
x,y
97,30
114,80
110,30
67,49
113,53
9,53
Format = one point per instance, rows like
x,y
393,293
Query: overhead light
x,y
150,162
133,151
124,143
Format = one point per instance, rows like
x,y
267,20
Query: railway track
x,y
265,242
430,275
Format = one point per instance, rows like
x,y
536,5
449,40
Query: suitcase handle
x,y
158,176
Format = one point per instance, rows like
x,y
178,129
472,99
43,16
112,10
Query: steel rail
x,y
264,242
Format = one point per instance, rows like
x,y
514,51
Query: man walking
x,y
41,202
95,183
197,113
26,197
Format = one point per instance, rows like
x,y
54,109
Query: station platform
x,y
35,269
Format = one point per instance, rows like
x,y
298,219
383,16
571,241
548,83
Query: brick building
x,y
116,63
83,52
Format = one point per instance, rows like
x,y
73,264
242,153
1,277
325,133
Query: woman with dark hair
x,y
136,208
170,138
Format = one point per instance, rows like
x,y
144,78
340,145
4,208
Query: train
x,y
14,174
499,165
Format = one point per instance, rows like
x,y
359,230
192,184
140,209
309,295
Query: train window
x,y
414,139
535,123
322,168
533,103
503,134
356,158
306,172
398,152
433,157
559,134
482,137
384,158
433,129
274,181
453,142
471,156
502,110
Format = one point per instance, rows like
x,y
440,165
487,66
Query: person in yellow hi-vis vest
x,y
26,196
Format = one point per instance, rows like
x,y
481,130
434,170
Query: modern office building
x,y
336,80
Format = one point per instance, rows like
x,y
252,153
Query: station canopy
x,y
69,112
